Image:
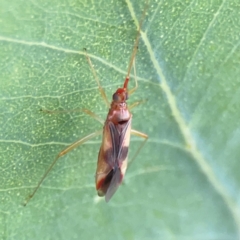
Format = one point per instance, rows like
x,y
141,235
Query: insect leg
x,y
87,111
97,79
136,104
131,91
142,135
62,153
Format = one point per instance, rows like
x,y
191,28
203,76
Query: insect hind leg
x,y
142,135
62,153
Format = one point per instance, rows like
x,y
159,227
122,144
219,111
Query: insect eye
x,y
116,97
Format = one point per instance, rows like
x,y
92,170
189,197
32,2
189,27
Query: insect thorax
x,y
118,113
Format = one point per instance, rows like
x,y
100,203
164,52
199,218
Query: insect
x,y
113,154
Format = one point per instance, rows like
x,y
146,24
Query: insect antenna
x,y
135,47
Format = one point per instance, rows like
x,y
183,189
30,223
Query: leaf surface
x,y
184,184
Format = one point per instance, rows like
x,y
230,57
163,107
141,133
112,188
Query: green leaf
x,y
185,182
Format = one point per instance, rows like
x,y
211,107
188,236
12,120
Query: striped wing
x,y
112,159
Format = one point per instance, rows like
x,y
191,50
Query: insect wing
x,y
112,159
120,137
114,184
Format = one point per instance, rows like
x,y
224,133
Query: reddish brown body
x,y
113,154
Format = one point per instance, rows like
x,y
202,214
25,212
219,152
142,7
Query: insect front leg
x,y
131,91
97,79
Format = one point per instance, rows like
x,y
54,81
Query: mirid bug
x,y
113,154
